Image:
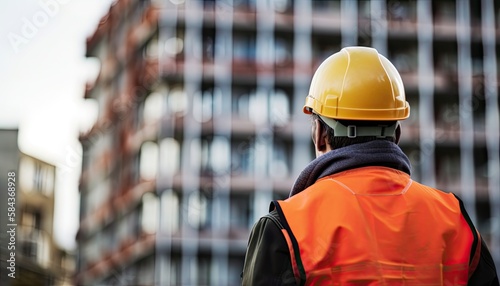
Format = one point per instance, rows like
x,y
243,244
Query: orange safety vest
x,y
375,226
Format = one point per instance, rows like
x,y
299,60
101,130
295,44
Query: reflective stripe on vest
x,y
375,226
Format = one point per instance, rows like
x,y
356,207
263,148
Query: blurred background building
x,y
200,122
38,259
41,260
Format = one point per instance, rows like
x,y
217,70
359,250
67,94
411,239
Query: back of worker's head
x,y
359,96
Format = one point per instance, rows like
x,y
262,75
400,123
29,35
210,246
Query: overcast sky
x,y
43,71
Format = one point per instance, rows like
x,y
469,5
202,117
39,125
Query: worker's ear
x,y
398,133
320,138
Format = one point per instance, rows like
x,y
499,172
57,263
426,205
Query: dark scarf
x,y
373,153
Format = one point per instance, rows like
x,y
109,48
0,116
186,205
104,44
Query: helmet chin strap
x,y
353,131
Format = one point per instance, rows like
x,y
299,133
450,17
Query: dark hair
x,y
339,142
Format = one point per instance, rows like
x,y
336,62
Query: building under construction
x,y
200,122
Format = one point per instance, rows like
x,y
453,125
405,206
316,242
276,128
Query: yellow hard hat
x,y
357,83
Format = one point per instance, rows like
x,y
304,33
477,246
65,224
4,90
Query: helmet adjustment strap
x,y
353,131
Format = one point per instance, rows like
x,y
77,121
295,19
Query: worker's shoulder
x,y
267,222
425,193
273,217
433,190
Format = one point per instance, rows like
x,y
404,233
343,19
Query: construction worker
x,y
354,215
